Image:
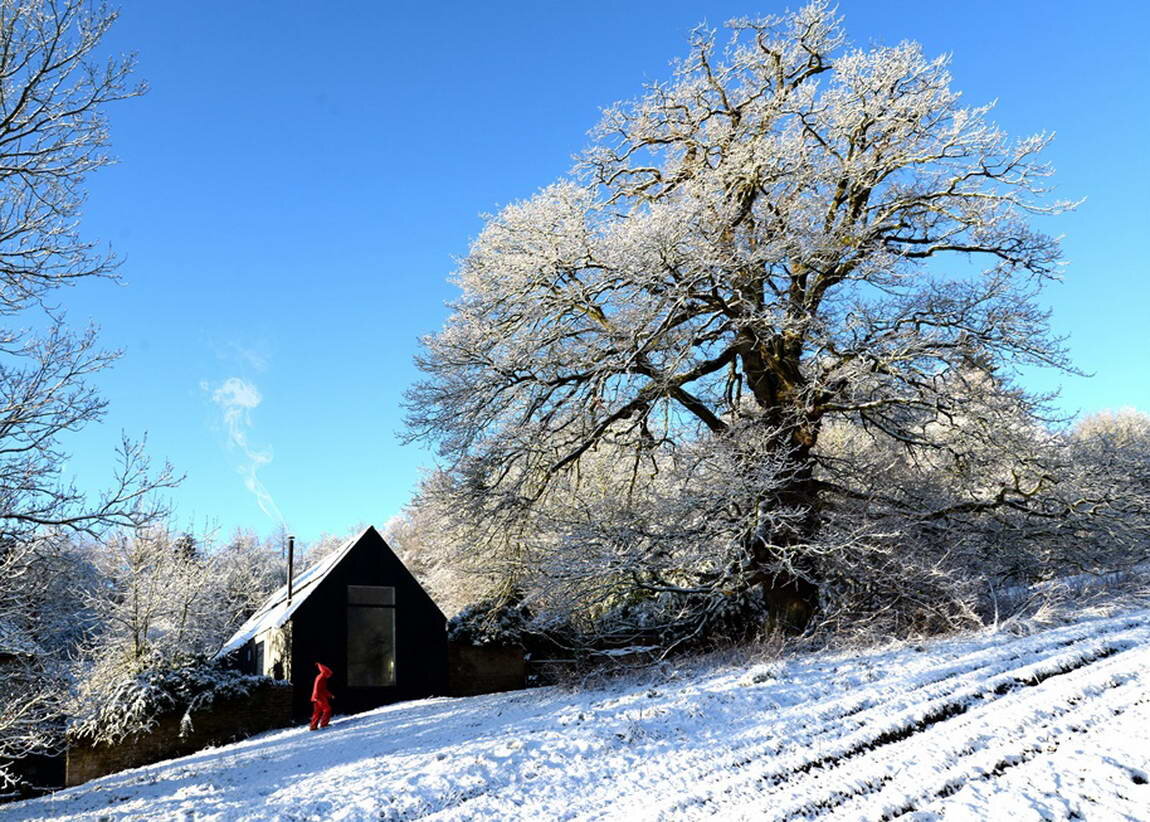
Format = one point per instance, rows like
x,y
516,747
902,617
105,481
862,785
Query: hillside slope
x,y
1055,725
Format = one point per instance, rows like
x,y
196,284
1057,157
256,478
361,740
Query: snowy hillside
x,y
1051,726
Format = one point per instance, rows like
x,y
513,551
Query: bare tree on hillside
x,y
53,92
790,232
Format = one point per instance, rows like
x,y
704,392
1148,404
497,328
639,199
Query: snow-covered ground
x,y
1055,725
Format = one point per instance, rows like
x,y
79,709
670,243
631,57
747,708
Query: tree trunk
x,y
788,588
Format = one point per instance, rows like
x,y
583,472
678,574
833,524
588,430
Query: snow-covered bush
x,y
167,604
682,620
496,621
1025,609
115,705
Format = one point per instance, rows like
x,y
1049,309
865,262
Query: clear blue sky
x,y
292,191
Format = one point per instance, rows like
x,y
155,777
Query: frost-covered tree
x,y
158,600
790,233
246,569
1111,454
322,547
54,88
433,543
167,604
43,622
53,92
618,552
1125,428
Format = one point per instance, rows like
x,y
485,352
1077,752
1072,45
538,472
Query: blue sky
x,y
293,189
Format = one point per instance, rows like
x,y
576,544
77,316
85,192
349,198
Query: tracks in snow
x,y
972,721
879,736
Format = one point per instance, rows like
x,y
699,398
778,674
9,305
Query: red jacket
x,y
319,691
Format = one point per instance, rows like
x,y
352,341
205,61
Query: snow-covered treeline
x,y
100,636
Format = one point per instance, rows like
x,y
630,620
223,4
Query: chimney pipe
x,y
291,565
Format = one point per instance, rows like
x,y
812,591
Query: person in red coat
x,y
321,698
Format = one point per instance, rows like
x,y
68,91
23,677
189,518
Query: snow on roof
x,y
276,610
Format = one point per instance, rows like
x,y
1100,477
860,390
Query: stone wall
x,y
41,774
267,707
483,670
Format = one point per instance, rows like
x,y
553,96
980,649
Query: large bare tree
x,y
54,88
791,231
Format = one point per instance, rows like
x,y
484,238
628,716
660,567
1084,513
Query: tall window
x,y
370,636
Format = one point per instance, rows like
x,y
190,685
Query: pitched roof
x,y
276,610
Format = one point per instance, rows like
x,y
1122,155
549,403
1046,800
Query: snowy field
x,y
1055,725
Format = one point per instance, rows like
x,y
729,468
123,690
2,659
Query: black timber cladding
x,y
319,632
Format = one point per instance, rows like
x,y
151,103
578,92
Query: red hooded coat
x,y
319,691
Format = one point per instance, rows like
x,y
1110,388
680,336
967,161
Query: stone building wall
x,y
475,670
268,706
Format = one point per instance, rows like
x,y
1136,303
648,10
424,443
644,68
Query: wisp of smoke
x,y
236,398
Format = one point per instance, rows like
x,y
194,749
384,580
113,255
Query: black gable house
x,y
360,612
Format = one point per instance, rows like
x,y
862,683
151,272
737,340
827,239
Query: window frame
x,y
359,598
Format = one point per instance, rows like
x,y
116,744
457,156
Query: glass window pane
x,y
370,595
370,647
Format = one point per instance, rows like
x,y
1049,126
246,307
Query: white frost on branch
x,y
794,251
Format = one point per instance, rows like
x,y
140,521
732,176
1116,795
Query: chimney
x,y
291,566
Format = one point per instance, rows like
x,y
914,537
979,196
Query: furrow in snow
x,y
883,726
834,715
996,736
